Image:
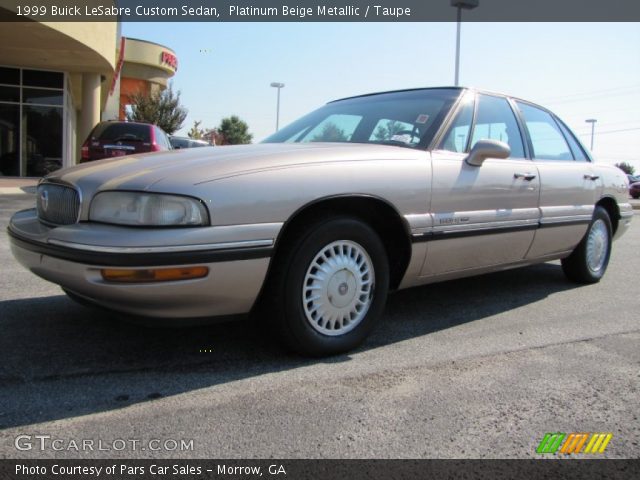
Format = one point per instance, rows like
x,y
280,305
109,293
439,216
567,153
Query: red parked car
x,y
634,190
116,139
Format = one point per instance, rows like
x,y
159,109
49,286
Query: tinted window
x,y
407,118
161,138
546,138
457,137
39,78
42,97
130,132
576,149
177,142
496,121
9,139
42,144
9,76
9,94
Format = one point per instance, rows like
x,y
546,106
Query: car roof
x,y
451,87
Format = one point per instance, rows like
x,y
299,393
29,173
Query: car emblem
x,y
119,143
44,200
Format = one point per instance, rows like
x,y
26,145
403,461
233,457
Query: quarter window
x,y
546,138
496,121
576,149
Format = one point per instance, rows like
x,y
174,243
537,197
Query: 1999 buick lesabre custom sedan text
x,y
318,222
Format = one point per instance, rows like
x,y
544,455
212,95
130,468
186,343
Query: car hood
x,y
200,165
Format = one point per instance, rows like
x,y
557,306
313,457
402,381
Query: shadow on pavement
x,y
54,350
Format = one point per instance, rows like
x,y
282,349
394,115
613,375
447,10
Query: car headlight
x,y
147,209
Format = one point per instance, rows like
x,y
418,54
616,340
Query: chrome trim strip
x,y
164,249
565,219
564,211
484,226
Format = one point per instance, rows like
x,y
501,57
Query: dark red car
x,y
634,190
116,139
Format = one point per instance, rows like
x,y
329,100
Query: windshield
x,y
408,119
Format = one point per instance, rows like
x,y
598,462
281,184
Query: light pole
x,y
592,121
467,5
277,85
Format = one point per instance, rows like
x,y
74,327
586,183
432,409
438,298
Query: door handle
x,y
525,176
588,176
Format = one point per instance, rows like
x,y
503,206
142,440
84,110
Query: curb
x,y
17,190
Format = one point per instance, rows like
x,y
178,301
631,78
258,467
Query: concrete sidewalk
x,y
13,185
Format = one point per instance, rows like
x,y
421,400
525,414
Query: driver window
x,y
495,121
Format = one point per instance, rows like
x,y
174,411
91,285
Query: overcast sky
x,y
578,70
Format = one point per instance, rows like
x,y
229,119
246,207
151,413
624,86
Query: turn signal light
x,y
153,275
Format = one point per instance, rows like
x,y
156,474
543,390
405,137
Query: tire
x,y
635,197
319,312
588,261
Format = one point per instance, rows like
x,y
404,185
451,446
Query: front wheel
x,y
588,262
333,286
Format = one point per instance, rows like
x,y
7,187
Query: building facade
x,y
59,79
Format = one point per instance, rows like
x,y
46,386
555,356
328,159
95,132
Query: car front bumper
x,y
73,256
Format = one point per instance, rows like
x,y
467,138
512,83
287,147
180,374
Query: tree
x,y
196,132
330,133
234,131
626,168
161,108
386,132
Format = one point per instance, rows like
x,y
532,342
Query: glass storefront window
x,y
42,137
37,78
32,117
9,94
9,76
9,140
42,97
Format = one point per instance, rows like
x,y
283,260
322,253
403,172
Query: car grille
x,y
57,204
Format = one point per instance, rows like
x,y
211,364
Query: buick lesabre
x,y
317,223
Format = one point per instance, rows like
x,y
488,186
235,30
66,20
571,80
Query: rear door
x,y
569,183
486,215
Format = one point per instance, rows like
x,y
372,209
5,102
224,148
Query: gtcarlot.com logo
x,y
573,443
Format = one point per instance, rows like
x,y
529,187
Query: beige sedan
x,y
311,228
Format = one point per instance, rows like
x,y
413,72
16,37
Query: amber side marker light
x,y
153,275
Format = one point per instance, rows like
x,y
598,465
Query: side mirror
x,y
484,149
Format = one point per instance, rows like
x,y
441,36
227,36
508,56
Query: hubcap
x,y
338,288
597,246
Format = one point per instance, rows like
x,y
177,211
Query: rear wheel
x,y
589,261
330,287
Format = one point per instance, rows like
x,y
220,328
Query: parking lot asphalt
x,y
480,367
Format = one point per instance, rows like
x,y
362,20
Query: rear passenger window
x,y
546,138
496,121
